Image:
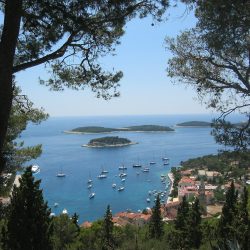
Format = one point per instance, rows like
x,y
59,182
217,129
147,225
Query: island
x,y
194,124
140,128
91,130
109,141
148,128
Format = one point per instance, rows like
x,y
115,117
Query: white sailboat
x,y
61,174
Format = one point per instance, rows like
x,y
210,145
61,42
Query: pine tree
x,y
229,212
182,215
195,234
179,238
242,222
156,223
28,217
74,219
108,226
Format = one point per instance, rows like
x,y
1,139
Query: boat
x,y
35,169
123,175
65,211
122,167
105,171
113,185
92,195
123,180
61,174
89,180
149,192
145,170
56,204
137,165
121,188
165,159
89,186
148,200
152,162
165,163
102,176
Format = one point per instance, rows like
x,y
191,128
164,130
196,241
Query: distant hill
x,y
149,128
109,141
194,124
141,128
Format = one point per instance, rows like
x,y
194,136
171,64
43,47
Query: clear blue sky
x,y
145,87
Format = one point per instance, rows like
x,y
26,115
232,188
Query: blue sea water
x,y
64,152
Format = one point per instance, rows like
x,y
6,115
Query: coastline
x,y
109,146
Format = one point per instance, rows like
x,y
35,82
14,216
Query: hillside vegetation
x,y
108,141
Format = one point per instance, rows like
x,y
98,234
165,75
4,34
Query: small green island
x,y
194,124
148,128
92,130
109,141
140,128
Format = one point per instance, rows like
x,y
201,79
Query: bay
x,y
64,152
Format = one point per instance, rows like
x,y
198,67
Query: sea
x,y
64,153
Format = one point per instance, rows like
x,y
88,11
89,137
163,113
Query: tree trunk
x,y
11,27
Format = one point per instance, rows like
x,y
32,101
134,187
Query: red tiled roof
x,y
186,179
86,224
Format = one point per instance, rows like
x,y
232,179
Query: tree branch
x,y
56,54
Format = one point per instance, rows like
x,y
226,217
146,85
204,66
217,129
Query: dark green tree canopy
x,y
28,221
214,58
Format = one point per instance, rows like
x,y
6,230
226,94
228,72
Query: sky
x,y
145,88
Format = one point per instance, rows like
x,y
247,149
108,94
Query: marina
x,y
80,164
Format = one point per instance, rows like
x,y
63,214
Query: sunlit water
x,y
64,152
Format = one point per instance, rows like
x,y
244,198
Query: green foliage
x,y
195,234
177,178
234,224
213,58
219,195
108,226
231,164
108,140
22,113
187,233
65,232
28,221
156,223
90,238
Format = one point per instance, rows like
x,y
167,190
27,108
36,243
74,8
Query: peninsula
x,y
140,128
109,141
194,124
